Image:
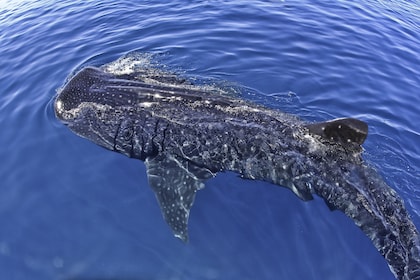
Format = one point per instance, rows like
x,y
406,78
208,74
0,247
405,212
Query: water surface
x,y
71,210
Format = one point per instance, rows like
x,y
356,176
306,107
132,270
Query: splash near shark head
x,y
186,134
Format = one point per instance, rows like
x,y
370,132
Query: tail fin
x,y
380,213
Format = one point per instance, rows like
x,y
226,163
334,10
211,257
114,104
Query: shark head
x,y
100,111
79,90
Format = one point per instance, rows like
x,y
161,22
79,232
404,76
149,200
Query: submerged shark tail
x,y
380,213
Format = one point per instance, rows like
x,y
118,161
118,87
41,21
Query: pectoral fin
x,y
175,182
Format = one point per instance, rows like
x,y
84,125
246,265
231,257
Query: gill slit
x,y
116,135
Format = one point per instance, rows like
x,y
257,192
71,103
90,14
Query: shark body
x,y
186,135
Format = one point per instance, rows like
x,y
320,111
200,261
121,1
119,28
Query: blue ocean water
x,y
72,210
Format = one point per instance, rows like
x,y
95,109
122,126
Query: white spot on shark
x,y
146,104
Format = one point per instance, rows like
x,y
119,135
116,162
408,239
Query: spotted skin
x,y
186,135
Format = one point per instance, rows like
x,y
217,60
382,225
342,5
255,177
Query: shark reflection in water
x,y
186,134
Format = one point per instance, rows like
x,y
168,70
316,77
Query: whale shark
x,y
186,134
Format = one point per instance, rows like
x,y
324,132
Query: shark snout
x,y
64,114
59,109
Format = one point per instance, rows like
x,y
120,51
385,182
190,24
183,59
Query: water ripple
x,y
72,209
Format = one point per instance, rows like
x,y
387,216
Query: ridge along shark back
x,y
187,134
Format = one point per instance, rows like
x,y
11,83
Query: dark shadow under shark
x,y
186,134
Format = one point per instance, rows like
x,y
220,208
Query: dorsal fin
x,y
344,131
